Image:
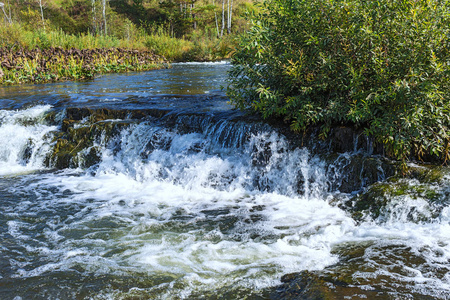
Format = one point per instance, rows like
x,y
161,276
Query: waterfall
x,y
158,204
25,140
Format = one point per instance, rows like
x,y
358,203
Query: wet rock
x,y
429,173
28,151
77,114
82,127
343,139
305,285
323,285
352,172
75,145
355,276
101,114
419,198
63,155
340,139
91,157
350,139
157,141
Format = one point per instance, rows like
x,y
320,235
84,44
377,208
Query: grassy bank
x,y
55,64
44,56
200,31
199,46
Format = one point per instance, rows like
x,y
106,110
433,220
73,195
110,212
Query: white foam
x,y
212,217
25,140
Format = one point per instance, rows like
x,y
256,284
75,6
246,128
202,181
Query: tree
x,y
223,18
104,17
94,18
8,18
42,13
229,15
379,65
215,20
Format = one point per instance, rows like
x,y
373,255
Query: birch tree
x,y
2,6
42,13
230,14
223,18
104,16
215,19
94,18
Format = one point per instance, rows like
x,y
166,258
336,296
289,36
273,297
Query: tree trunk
x,y
215,18
42,14
104,16
230,15
9,10
193,17
94,19
2,6
223,18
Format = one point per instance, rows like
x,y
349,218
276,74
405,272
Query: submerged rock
x,y
366,270
429,173
315,285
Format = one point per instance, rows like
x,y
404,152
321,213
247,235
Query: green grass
x,y
58,64
61,65
15,34
198,46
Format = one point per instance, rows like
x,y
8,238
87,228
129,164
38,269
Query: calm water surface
x,y
115,89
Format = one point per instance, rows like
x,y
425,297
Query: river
x,y
193,200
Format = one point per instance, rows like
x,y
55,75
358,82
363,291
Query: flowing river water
x,y
197,202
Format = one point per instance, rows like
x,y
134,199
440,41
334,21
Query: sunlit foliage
x,y
380,65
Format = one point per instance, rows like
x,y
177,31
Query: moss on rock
x,y
80,129
419,197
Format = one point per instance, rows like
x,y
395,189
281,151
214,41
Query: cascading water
x,y
203,206
24,140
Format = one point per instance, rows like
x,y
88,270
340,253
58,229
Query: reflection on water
x,y
180,79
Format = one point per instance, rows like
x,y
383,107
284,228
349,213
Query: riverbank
x,y
58,64
37,56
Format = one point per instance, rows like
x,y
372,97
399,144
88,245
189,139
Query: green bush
x,y
381,65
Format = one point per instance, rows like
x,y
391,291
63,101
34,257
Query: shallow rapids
x,y
221,212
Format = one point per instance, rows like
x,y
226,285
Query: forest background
x,y
179,30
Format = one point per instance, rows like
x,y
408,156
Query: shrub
x,y
381,65
163,44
